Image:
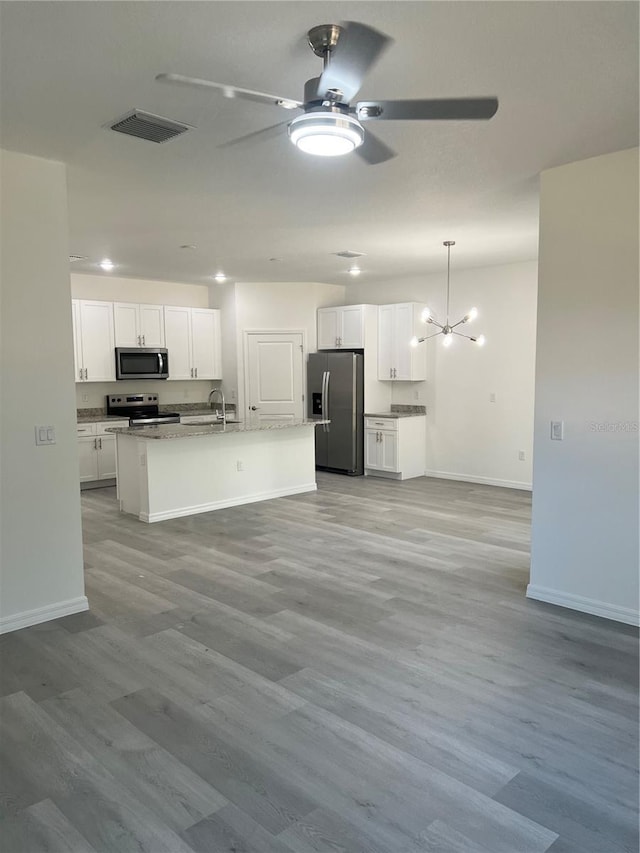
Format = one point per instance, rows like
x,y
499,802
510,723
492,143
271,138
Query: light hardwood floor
x,y
353,670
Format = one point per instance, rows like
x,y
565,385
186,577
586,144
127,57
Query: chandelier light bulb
x,y
448,340
414,342
471,315
481,340
426,315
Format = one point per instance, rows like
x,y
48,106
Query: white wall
x,y
469,437
585,499
269,306
41,574
118,289
114,288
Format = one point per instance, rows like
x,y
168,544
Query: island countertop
x,y
174,431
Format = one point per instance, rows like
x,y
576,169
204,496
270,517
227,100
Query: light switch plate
x,y
557,430
45,435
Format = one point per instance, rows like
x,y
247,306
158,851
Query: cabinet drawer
x,y
86,429
381,423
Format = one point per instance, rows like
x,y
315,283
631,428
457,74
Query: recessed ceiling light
x,y
347,253
106,265
188,246
354,271
74,258
220,277
275,259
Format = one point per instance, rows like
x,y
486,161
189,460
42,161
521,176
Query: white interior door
x,y
273,377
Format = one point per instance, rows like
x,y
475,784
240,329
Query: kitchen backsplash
x,y
92,395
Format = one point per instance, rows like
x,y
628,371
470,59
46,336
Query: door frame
x,y
243,390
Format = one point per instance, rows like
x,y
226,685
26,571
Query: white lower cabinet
x,y
97,451
381,453
395,447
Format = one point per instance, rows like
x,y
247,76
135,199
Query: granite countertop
x,y
173,431
96,418
92,416
399,411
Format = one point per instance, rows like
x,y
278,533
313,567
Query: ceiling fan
x,y
330,125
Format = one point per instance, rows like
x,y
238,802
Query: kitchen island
x,y
173,470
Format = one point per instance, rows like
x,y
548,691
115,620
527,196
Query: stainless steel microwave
x,y
142,363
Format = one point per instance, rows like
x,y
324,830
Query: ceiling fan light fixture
x,y
326,134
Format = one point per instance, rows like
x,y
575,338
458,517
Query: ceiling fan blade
x,y
265,133
373,150
230,91
456,109
358,48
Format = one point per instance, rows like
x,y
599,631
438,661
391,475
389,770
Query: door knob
x,y
254,408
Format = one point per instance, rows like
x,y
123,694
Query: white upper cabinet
x,y
345,326
138,325
205,343
192,337
94,341
328,328
397,359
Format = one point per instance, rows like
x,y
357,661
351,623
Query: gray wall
x,y
585,488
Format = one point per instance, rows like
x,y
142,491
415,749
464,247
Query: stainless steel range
x,y
141,409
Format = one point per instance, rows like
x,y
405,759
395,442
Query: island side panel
x,y
132,475
201,473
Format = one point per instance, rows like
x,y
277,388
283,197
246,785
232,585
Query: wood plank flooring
x,y
355,670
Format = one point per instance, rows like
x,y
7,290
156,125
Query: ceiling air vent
x,y
349,254
148,126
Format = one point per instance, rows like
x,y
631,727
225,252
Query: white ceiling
x,y
566,74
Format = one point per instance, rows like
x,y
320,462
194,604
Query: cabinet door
x,y
97,341
389,452
77,356
402,333
151,325
177,327
125,320
385,341
205,343
371,449
88,458
106,457
352,333
328,328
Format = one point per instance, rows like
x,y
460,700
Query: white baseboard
x,y
584,605
209,507
484,481
43,614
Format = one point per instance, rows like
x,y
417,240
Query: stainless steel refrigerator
x,y
335,390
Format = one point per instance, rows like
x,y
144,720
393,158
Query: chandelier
x,y
449,329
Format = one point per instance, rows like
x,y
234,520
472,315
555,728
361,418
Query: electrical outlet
x,y
557,430
85,398
492,397
239,465
521,455
416,395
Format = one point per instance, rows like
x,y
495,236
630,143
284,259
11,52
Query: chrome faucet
x,y
224,409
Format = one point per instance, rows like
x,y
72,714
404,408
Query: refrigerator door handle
x,y
325,400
